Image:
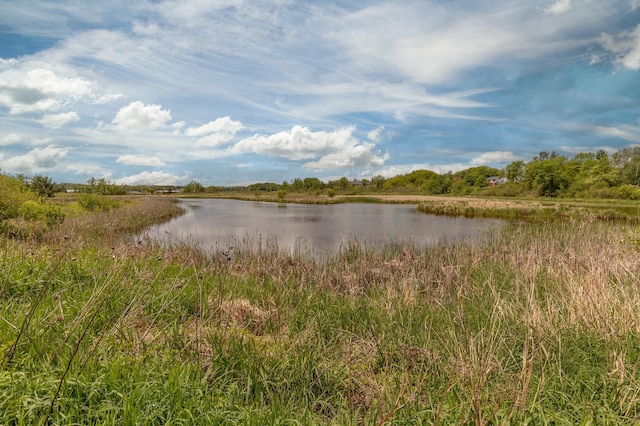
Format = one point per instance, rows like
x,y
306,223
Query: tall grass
x,y
538,323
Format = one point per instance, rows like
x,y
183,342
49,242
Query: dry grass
x,y
537,323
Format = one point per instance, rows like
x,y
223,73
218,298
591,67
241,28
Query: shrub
x,y
13,193
31,210
94,202
331,192
54,216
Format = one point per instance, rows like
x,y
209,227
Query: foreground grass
x,y
537,324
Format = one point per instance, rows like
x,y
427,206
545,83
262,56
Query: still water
x,y
310,228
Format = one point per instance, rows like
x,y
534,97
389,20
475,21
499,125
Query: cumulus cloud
x,y
152,178
40,90
215,133
356,155
139,160
32,86
327,150
137,117
35,160
9,139
494,157
57,121
301,143
560,6
625,48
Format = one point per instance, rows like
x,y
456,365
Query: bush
x,y
13,193
54,216
94,202
31,210
331,192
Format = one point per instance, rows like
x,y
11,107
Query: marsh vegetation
x,y
538,323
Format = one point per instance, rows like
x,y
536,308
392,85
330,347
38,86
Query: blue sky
x,y
241,91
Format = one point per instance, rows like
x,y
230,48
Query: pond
x,y
316,229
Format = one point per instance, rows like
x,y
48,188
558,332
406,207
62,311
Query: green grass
x,y
537,324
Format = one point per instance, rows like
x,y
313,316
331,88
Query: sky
x,y
234,92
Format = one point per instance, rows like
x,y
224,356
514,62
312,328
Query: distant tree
x,y
297,184
377,182
601,154
310,183
343,183
550,176
193,187
515,171
627,161
43,186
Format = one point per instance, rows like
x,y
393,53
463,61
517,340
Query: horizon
x,y
236,92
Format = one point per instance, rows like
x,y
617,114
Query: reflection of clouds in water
x,y
317,229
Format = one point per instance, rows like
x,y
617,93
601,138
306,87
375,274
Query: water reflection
x,y
318,229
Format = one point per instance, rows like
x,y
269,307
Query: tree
x,y
377,182
515,171
193,187
549,176
312,183
627,161
43,186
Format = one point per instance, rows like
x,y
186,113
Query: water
x,y
311,228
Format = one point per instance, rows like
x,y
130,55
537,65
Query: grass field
x,y
536,324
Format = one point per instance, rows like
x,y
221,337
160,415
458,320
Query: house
x,y
496,180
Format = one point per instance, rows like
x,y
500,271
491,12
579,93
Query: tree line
x,y
548,174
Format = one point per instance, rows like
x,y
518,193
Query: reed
x,y
536,323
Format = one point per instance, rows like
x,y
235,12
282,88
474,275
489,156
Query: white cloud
x,y
629,133
375,134
338,149
136,117
152,178
354,156
223,124
494,157
397,170
10,139
301,143
47,82
427,43
57,121
625,48
31,86
35,160
139,160
215,133
560,6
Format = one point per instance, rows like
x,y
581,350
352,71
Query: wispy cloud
x,y
57,121
558,7
272,87
625,47
139,160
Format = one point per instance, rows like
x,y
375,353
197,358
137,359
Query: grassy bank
x,y
536,324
